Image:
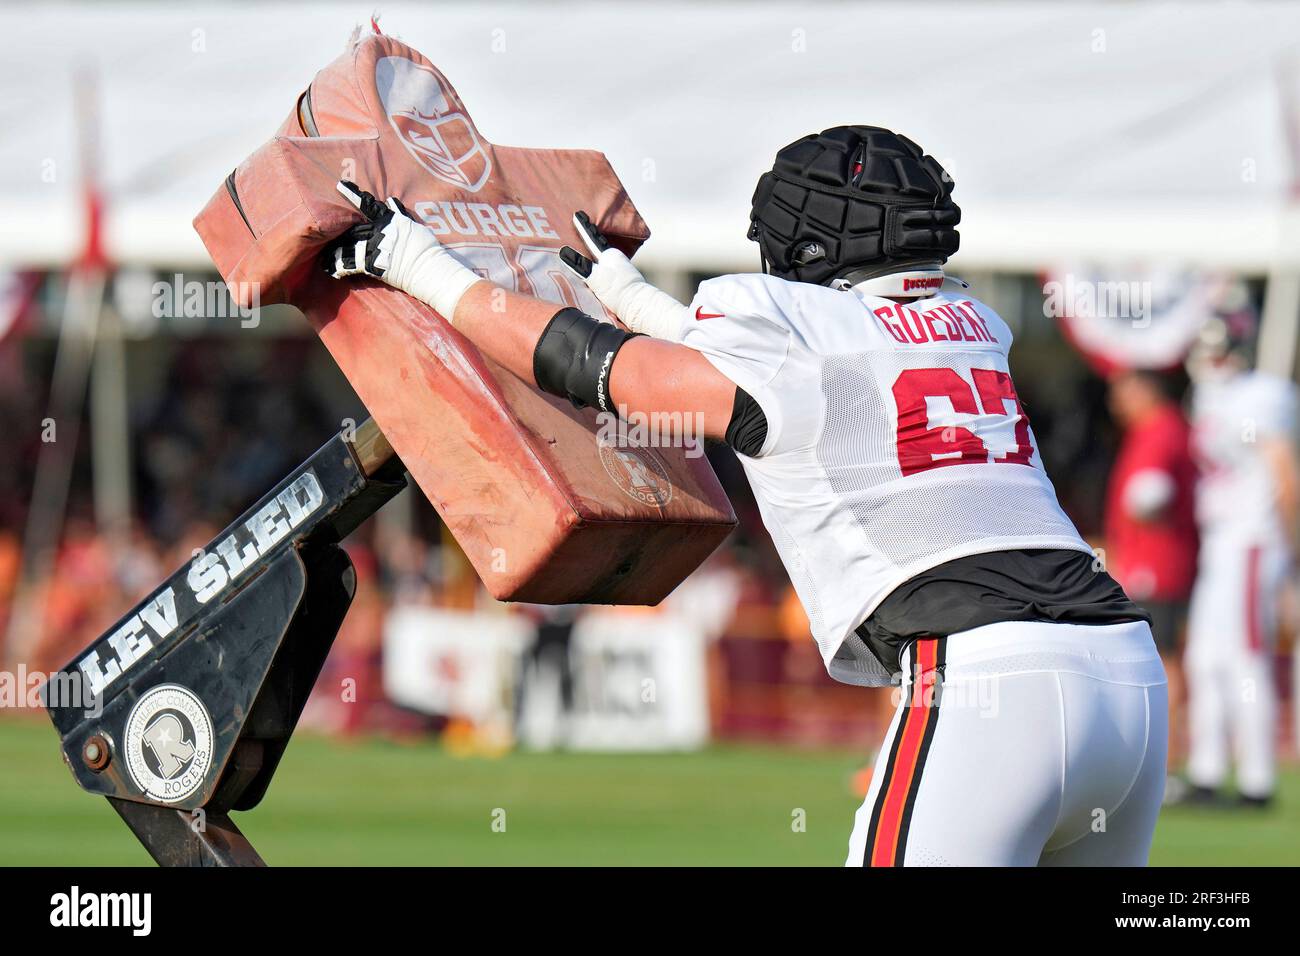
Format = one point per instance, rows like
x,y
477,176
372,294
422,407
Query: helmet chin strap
x,y
909,283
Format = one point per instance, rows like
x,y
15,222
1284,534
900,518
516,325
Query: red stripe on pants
x,y
1253,638
907,762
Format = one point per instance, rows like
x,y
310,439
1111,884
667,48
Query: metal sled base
x,y
190,699
177,838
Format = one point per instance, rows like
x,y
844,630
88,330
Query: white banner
x,y
639,679
457,663
639,683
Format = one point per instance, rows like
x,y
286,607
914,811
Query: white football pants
x,y
1231,695
1021,744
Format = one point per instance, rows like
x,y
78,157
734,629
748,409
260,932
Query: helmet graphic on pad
x,y
430,125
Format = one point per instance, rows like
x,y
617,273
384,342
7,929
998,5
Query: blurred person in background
x,y
1150,521
549,658
1246,507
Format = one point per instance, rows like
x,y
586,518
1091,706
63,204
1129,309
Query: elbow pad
x,y
574,356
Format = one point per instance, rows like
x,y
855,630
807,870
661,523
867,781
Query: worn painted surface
x,y
543,513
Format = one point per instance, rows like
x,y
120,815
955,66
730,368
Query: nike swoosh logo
x,y
701,315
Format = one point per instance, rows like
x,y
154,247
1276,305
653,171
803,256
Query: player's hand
x,y
356,251
592,238
605,270
393,247
371,247
620,287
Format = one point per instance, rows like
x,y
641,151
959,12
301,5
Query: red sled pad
x,y
545,511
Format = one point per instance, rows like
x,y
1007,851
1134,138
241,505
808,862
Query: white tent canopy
x,y
1103,131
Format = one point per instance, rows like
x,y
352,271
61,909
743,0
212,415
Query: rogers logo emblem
x,y
168,743
638,473
431,127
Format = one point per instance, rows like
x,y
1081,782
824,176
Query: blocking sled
x,y
180,712
544,511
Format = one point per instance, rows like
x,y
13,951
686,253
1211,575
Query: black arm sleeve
x,y
574,356
747,429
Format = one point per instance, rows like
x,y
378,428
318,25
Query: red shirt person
x,y
1150,518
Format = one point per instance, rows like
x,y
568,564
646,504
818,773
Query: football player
x,y
870,401
1247,509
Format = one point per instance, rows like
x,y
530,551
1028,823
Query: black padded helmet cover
x,y
853,199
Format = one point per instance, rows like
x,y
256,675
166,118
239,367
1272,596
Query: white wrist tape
x,y
415,261
640,306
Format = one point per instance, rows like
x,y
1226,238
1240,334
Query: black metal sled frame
x,y
181,711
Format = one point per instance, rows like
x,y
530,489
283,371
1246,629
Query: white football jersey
x,y
895,441
1232,416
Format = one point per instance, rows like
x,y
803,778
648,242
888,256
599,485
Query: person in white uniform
x,y
875,415
1247,499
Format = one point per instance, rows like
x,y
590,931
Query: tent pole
x,y
54,465
110,433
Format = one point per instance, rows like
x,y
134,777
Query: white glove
x,y
405,254
620,286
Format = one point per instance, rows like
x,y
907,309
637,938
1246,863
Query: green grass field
x,y
374,802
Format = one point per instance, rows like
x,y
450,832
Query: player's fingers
x,y
396,206
332,262
370,207
593,237
576,261
350,191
